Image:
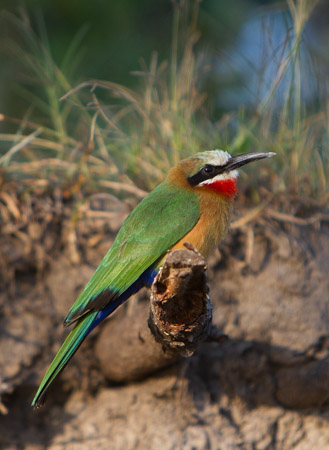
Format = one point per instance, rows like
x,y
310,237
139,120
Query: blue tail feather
x,y
146,279
81,330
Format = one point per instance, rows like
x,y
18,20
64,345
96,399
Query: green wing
x,y
153,227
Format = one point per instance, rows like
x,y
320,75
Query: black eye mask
x,y
209,171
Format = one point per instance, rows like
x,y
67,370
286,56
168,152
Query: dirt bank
x,y
266,388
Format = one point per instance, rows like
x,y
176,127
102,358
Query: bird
x,y
193,204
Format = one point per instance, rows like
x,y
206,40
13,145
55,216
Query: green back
x,y
152,228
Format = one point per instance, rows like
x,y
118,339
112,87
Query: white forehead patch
x,y
214,157
217,158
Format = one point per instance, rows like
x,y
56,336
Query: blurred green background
x,y
260,66
114,36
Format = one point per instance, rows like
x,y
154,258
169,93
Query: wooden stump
x,y
152,337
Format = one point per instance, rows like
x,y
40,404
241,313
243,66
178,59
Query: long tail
x,y
81,330
65,353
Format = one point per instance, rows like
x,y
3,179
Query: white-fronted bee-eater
x,y
193,204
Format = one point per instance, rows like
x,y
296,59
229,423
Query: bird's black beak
x,y
240,160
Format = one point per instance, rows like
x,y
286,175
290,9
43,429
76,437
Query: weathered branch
x,y
133,346
181,312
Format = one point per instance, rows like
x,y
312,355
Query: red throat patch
x,y
225,187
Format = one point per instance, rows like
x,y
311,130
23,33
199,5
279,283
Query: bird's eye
x,y
208,170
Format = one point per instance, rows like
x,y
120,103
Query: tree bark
x,y
135,345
